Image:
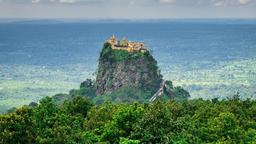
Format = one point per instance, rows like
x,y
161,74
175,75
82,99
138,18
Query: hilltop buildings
x,y
129,46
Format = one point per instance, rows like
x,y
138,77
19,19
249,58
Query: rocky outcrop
x,y
119,69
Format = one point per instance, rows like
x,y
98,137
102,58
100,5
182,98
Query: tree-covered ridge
x,y
81,121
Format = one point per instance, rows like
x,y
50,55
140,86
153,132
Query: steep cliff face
x,y
124,76
121,70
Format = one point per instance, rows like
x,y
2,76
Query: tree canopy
x,y
80,121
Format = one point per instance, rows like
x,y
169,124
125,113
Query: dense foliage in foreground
x,y
80,121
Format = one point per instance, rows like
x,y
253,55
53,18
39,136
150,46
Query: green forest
x,y
126,116
80,120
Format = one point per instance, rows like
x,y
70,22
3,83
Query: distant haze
x,y
127,9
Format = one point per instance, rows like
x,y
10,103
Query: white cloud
x,y
244,2
59,1
167,1
35,1
67,1
230,2
222,2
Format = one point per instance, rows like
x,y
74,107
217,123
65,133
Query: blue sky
x,y
127,9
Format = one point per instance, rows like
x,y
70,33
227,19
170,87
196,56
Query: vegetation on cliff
x,y
80,121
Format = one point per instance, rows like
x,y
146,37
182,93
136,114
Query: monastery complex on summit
x,y
129,46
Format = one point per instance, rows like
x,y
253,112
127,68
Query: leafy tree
x,y
225,128
250,136
79,105
180,94
61,98
88,89
54,124
128,141
17,127
154,125
169,84
98,116
122,123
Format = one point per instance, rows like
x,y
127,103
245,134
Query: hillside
x,y
119,70
124,76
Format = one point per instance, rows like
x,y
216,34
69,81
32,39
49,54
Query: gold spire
x,y
113,36
124,42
